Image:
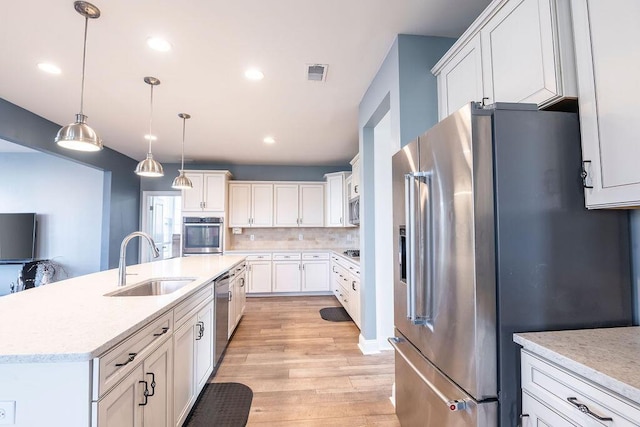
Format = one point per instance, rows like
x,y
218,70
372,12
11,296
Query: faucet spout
x,y
122,265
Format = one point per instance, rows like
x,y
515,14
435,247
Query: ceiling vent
x,y
317,72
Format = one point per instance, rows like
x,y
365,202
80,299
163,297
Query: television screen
x,y
17,236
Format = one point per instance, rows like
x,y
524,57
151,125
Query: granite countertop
x,y
72,320
606,356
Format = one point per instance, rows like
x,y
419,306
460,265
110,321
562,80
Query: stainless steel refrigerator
x,y
492,238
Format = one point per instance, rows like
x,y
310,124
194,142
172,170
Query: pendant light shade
x,y
181,182
150,167
78,135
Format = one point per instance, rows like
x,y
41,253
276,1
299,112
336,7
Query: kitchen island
x,y
584,376
69,354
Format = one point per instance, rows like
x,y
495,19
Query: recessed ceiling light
x,y
254,74
156,43
49,68
269,140
150,137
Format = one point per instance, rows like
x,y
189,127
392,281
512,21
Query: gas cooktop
x,y
354,253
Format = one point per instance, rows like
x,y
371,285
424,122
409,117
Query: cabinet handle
x,y
340,220
242,281
230,296
200,326
585,409
353,285
146,393
164,331
521,417
355,189
130,359
584,174
153,383
333,268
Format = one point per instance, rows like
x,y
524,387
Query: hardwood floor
x,y
306,371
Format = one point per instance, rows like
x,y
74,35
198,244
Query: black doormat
x,y
223,405
335,314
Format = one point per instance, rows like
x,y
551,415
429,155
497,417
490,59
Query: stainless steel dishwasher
x,y
221,286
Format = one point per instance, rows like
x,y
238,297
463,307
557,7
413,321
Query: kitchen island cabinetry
x,y
298,205
209,192
608,63
237,297
515,51
345,285
566,382
250,204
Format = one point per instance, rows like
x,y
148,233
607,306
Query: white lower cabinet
x,y
259,273
237,297
315,272
158,374
554,396
286,273
345,285
121,406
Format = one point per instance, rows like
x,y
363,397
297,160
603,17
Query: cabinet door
x,y
231,318
242,297
285,205
183,370
315,276
158,373
239,205
204,346
262,205
335,201
312,205
355,178
286,276
608,66
192,198
354,299
259,276
121,406
214,191
460,80
539,415
519,53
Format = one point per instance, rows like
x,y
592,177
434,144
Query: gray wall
x,y
245,173
121,202
404,86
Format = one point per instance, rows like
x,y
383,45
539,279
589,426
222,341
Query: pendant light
x,y
150,167
181,182
79,136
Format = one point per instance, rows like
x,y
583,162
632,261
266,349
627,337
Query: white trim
x,y
144,207
368,346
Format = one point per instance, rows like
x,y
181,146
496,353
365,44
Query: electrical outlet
x,y
7,413
299,236
252,237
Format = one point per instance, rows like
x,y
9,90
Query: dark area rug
x,y
221,405
335,314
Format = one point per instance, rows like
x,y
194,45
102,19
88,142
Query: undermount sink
x,y
157,286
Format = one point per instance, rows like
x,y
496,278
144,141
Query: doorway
x,y
161,218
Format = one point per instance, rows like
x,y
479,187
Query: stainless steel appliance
x,y
202,235
221,289
354,211
493,238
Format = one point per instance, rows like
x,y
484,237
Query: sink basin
x,y
157,286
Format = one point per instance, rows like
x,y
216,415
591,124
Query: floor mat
x,y
221,404
335,314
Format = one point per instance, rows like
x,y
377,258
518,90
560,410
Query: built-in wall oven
x,y
202,235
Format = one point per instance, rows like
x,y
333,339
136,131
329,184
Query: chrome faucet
x,y
122,265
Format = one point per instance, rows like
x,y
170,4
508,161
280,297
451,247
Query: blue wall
x,y
122,201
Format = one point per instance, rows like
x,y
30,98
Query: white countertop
x,y
607,356
337,251
72,320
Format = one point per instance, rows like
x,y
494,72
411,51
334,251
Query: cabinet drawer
x,y
180,312
315,255
114,365
540,415
286,257
260,257
558,387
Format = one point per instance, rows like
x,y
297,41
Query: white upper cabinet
x,y
250,204
298,205
608,66
355,177
337,204
516,51
209,192
460,78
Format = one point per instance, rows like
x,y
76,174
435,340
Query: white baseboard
x,y
392,398
368,346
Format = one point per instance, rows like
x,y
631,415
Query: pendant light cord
x,y
84,60
150,119
184,124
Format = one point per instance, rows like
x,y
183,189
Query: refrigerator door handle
x,y
454,405
409,210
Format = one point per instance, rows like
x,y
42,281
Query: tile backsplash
x,y
289,238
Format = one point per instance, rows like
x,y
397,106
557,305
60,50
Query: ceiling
x,y
213,42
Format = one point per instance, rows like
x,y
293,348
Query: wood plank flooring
x,y
306,371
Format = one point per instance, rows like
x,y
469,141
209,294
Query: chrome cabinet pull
x,y
585,409
164,331
145,393
153,383
130,359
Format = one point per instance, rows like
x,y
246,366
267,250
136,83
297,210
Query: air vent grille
x,y
317,72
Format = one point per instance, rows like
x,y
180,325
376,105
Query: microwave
x,y
354,211
202,235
